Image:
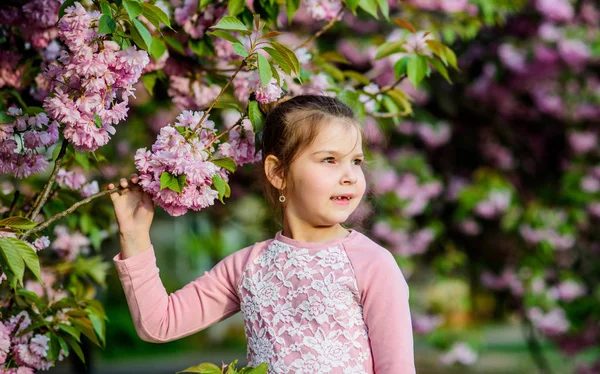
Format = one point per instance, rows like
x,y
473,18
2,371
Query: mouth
x,y
342,199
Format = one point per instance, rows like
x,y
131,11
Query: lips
x,y
342,198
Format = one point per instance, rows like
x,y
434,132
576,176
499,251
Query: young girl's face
x,y
326,180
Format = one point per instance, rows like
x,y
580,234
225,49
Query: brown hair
x,y
291,125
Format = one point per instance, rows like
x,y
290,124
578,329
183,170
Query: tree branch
x,y
42,197
71,209
322,31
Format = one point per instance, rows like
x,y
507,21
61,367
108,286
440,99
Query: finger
x,y
135,179
123,182
111,186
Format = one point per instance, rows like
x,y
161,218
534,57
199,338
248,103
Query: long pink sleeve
x,y
384,296
159,317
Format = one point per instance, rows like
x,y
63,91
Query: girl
x,y
317,298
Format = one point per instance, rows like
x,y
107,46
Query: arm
x,y
387,315
159,317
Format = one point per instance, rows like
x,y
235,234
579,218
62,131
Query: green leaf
x,y
401,99
221,186
385,8
158,48
105,8
106,25
405,24
144,34
29,256
235,7
283,62
203,3
70,330
231,23
13,258
262,368
240,50
226,163
400,67
82,159
5,118
289,54
202,47
357,77
255,115
85,326
75,346
264,69
439,66
29,295
416,69
205,368
34,110
335,56
389,48
149,81
291,7
369,6
97,121
99,327
225,35
155,15
133,8
63,345
168,180
350,98
16,222
174,43
64,6
353,5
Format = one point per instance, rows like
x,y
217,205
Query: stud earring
x,y
282,199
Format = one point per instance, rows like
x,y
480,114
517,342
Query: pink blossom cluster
x,y
433,135
416,194
28,351
76,180
92,80
507,280
173,154
322,10
36,20
446,6
496,203
460,353
582,142
552,323
10,71
47,289
567,291
240,145
549,235
556,10
68,245
590,183
249,81
425,323
402,242
191,94
195,22
32,132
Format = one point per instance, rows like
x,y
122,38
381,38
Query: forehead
x,y
337,134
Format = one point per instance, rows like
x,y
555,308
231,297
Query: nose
x,y
349,175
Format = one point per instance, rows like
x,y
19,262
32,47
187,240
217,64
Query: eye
x,y
328,160
358,161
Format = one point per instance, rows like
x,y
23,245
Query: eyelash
x,y
332,159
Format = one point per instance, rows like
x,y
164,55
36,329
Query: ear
x,y
276,179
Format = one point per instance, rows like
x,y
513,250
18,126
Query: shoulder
x,y
361,248
373,263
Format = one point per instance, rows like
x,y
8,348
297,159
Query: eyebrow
x,y
337,153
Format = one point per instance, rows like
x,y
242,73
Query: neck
x,y
305,232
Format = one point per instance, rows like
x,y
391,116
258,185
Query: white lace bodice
x,y
302,311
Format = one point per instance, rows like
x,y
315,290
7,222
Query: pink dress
x,y
334,307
